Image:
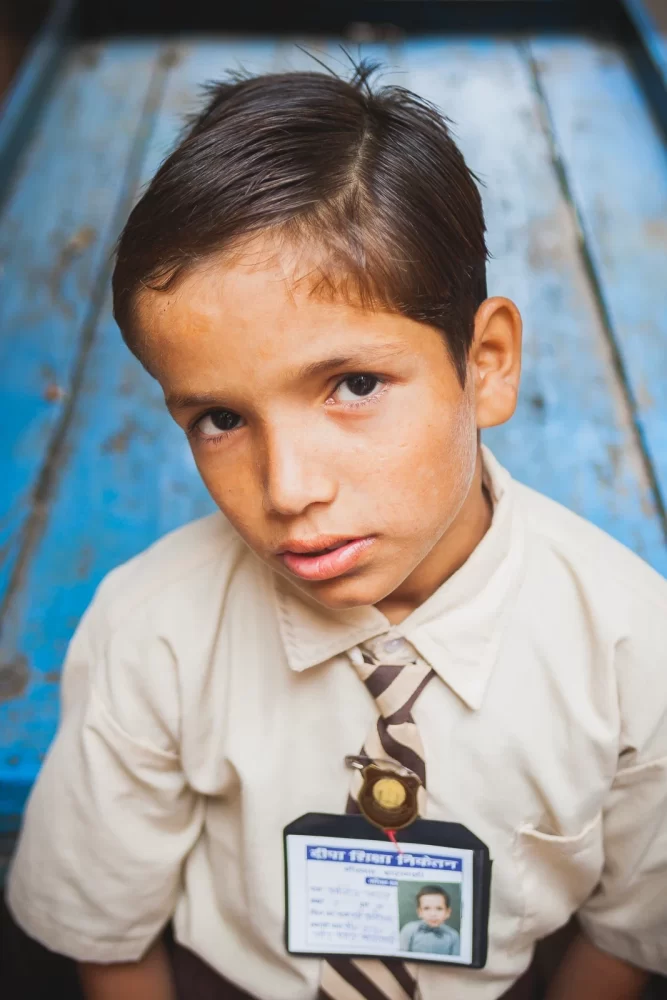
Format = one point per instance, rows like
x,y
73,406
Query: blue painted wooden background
x,y
92,470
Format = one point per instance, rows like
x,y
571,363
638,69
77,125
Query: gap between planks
x,y
594,278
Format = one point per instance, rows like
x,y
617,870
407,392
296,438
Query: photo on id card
x,y
364,897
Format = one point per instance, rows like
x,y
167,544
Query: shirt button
x,y
391,645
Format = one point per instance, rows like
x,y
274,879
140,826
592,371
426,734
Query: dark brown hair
x,y
369,175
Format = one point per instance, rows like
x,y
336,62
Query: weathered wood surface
x,y
56,234
615,163
91,469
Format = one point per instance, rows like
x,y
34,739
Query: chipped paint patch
x,y
14,677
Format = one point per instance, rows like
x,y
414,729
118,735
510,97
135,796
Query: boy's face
x,y
433,909
315,423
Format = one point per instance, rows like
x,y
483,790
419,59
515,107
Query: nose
x,y
298,471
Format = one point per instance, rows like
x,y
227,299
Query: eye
x,y
217,423
357,387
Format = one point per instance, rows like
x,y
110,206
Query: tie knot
x,y
389,648
393,674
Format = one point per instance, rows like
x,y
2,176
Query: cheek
x,y
232,487
431,462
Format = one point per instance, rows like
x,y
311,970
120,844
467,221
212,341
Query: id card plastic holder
x,y
350,891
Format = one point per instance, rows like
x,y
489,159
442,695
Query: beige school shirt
x,y
207,703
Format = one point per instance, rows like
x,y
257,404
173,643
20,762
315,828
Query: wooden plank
x,y
19,109
55,235
615,164
572,436
129,468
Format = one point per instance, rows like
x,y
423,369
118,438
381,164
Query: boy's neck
x,y
447,555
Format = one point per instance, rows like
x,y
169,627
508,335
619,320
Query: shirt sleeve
x,y
111,818
627,914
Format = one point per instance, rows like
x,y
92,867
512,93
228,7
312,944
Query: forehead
x,y
230,299
259,314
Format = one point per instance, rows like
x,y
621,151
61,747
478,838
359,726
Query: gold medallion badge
x,y
389,793
388,799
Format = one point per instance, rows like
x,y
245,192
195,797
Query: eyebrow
x,y
359,360
354,361
182,401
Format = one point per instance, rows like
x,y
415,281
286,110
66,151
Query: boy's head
x,y
434,906
305,276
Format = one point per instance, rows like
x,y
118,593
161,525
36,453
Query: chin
x,y
343,593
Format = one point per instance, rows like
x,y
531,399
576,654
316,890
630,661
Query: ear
x,y
495,361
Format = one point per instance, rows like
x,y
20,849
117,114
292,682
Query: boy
x,y
305,277
429,934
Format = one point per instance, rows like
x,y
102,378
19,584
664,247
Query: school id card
x,y
350,891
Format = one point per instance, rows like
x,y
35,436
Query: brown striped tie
x,y
395,679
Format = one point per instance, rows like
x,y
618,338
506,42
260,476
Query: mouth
x,y
318,560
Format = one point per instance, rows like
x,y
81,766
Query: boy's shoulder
x,y
184,568
596,559
591,592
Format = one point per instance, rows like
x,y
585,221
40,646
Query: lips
x,y
315,546
326,561
330,548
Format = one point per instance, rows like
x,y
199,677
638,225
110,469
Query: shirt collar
x,y
457,631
